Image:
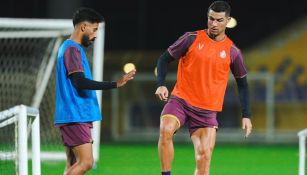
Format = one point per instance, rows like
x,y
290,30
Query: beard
x,y
86,41
212,36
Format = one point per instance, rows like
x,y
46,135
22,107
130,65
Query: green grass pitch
x,y
131,159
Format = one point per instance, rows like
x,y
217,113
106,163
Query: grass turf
x,y
131,159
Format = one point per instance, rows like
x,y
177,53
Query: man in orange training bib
x,y
205,59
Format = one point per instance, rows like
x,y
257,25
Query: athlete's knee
x,y
86,165
203,155
167,131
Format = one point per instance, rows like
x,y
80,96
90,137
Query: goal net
x,y
15,125
28,51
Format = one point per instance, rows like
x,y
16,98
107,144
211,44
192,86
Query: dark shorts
x,y
76,134
178,109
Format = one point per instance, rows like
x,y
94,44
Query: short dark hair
x,y
86,14
220,6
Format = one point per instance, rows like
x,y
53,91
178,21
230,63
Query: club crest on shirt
x,y
223,54
200,46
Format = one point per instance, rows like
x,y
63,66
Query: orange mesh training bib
x,y
203,73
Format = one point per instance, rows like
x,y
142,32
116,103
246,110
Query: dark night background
x,y
138,31
155,24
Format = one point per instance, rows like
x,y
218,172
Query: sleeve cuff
x,y
114,84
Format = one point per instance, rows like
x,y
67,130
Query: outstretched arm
x,y
75,71
80,82
245,105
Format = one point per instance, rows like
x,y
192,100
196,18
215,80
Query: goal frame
x,y
302,151
20,115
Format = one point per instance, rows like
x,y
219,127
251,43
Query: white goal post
x,y
302,151
58,29
20,115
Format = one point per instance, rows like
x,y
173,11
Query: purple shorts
x,y
183,112
76,134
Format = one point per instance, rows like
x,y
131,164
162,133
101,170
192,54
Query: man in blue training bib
x,y
76,101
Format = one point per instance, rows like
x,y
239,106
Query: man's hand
x,y
247,126
162,93
125,78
